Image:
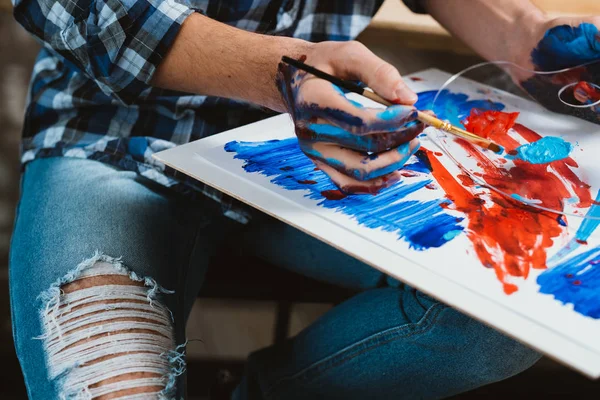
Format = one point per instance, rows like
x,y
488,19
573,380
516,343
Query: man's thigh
x,y
99,252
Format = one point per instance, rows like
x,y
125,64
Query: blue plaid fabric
x,y
90,95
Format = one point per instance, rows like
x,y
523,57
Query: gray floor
x,y
229,330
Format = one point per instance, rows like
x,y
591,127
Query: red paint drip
x,y
508,237
333,194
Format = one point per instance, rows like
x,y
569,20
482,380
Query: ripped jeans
x,y
105,266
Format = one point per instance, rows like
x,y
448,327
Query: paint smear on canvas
x,y
423,224
507,236
576,281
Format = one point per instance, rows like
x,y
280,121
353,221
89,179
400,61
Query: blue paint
x,y
576,281
391,113
452,234
591,221
423,224
403,150
356,103
524,200
453,107
566,46
337,89
543,151
585,230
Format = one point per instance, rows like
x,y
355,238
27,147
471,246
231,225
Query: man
x,y
118,80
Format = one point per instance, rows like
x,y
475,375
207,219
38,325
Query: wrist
x,y
277,47
528,29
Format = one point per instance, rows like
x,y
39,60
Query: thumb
x,y
379,75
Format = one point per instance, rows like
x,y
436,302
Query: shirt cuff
x,y
146,44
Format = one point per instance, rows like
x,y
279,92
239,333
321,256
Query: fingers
x,y
372,143
350,185
358,165
356,61
318,99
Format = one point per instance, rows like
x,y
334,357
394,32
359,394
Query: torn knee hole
x,y
108,336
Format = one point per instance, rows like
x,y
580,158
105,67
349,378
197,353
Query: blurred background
x,y
231,328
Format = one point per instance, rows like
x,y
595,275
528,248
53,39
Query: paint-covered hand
x,y
556,45
360,148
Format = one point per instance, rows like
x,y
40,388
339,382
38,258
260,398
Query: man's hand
x,y
519,32
560,44
361,149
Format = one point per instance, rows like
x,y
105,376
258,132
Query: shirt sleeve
x,y
117,43
415,6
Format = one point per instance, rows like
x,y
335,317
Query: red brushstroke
x,y
415,79
507,236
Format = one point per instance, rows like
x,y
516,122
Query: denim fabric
x,y
390,341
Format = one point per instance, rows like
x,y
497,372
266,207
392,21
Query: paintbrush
x,y
421,116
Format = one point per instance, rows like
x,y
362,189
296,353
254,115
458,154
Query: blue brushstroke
x,y
566,46
588,226
543,151
453,107
423,224
576,281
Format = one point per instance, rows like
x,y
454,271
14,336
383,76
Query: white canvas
x,y
451,272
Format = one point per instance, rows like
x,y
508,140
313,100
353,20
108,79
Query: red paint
x,y
416,79
307,182
586,93
581,241
507,236
408,174
577,282
431,186
569,276
333,194
439,154
490,123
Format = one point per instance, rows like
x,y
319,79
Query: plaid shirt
x,y
90,95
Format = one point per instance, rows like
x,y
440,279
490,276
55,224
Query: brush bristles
x,y
495,148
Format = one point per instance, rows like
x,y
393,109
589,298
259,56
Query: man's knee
x,y
107,336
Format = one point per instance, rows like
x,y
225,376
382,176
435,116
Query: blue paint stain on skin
x,y
356,103
326,133
404,151
337,89
566,46
423,224
575,281
543,151
391,113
